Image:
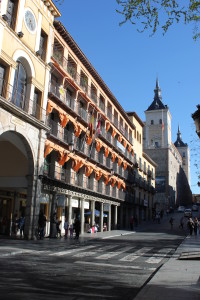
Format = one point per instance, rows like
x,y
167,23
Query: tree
x,y
153,14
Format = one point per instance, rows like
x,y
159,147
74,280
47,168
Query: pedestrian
x,y
66,227
196,225
77,228
131,222
15,224
190,225
58,227
171,221
41,224
181,223
21,225
71,230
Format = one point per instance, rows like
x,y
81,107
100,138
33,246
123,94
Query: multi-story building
x,y
67,147
93,180
173,159
26,32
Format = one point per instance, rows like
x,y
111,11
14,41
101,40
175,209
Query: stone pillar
x,y
53,216
92,213
101,217
69,217
109,217
82,218
115,220
121,216
31,206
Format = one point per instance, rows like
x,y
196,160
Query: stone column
x,y
82,218
92,213
69,217
101,217
121,216
109,217
115,220
53,216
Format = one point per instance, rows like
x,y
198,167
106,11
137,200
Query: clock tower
x,y
157,133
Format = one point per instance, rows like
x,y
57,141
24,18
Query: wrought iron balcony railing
x,y
21,100
67,176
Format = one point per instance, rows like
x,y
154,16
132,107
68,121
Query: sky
x,y
129,63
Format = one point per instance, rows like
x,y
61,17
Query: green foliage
x,y
154,14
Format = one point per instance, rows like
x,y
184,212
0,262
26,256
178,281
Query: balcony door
x,y
20,86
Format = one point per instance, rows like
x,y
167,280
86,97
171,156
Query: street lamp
x,y
196,118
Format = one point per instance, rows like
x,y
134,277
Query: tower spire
x,y
157,91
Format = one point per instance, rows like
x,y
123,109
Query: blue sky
x,y
129,63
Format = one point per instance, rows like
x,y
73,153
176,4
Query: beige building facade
x,y
67,147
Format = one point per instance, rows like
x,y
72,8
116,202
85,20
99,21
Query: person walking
x,y
181,223
190,225
58,227
171,221
66,227
196,226
41,225
21,225
71,230
77,228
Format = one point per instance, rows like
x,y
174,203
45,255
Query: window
x,y
160,121
12,13
37,104
2,75
102,103
20,85
183,154
43,45
84,82
93,93
152,122
71,67
156,144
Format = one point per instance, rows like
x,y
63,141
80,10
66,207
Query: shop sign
x,y
44,198
106,207
145,202
61,200
74,203
23,203
86,205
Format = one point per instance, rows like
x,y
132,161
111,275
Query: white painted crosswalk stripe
x,y
61,253
157,257
113,253
96,252
133,256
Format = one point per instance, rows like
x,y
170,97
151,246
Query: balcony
x,y
83,114
60,93
102,105
22,101
59,132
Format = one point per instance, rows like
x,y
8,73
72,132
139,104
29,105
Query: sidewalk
x,y
177,279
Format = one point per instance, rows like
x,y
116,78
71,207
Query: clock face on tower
x,y
30,20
